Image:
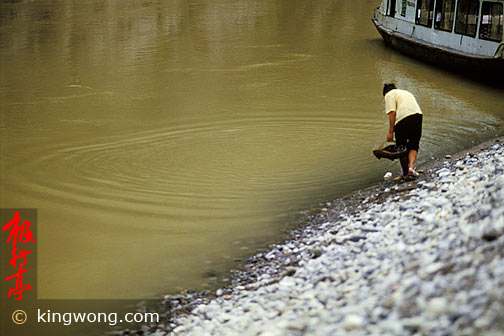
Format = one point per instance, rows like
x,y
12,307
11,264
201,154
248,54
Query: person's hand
x,y
390,137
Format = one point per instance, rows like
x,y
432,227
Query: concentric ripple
x,y
212,165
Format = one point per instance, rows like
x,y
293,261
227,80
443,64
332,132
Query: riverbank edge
x,y
274,267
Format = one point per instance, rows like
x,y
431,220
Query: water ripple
x,y
213,164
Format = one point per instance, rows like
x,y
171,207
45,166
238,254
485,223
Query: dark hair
x,y
388,87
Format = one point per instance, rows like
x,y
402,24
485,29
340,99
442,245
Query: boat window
x,y
403,7
392,8
425,12
491,21
467,17
445,12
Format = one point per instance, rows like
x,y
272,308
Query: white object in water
x,y
387,176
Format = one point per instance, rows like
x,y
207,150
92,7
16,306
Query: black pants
x,y
408,131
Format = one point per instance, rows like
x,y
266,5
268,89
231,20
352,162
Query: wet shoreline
x,y
283,259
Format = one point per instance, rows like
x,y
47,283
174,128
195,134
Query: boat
x,y
462,35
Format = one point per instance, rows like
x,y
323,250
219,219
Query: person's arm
x,y
392,117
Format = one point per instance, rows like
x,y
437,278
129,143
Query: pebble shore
x,y
416,258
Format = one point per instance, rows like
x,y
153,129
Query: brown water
x,y
160,140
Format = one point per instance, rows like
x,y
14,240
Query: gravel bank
x,y
423,257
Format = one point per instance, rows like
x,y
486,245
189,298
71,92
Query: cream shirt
x,y
402,102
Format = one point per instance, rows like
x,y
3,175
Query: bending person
x,y
405,120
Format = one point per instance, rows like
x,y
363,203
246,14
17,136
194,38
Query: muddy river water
x,y
162,140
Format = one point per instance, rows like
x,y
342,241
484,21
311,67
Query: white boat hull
x,y
474,57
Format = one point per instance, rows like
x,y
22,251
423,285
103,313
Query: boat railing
x,y
377,13
499,53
